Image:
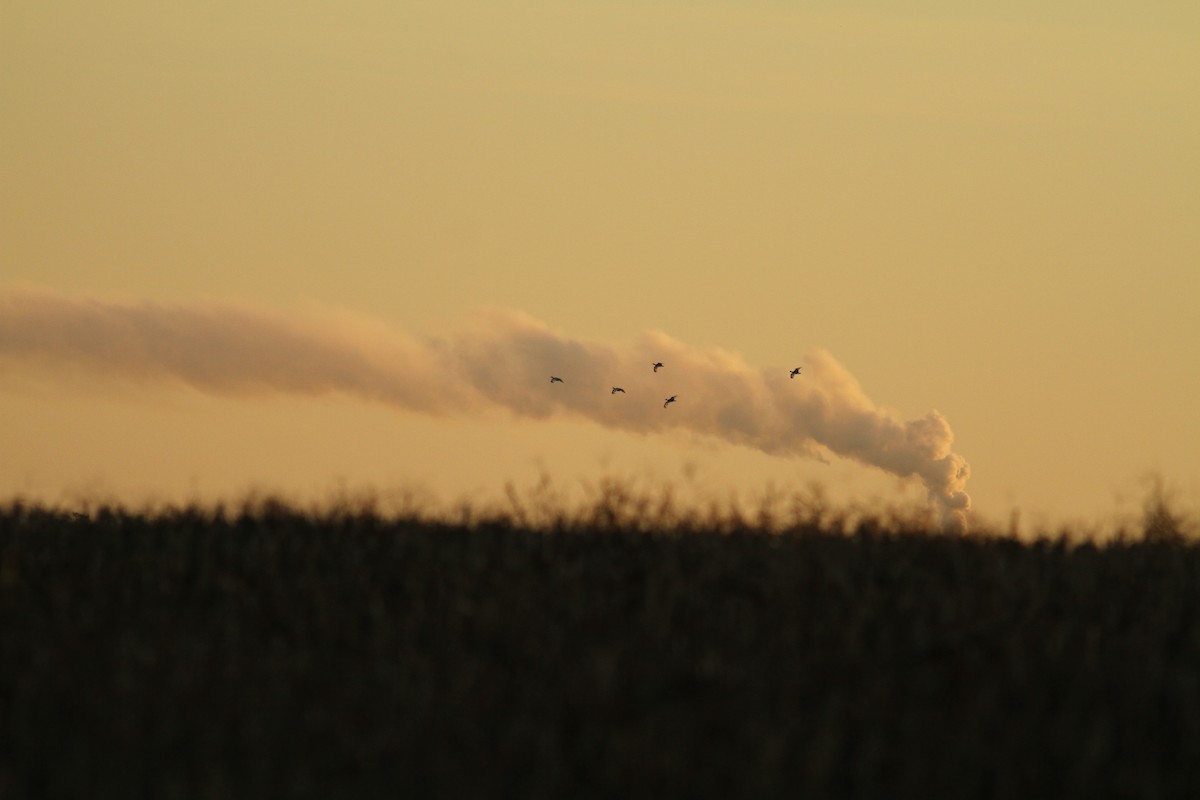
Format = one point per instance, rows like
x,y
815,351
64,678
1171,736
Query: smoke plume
x,y
503,359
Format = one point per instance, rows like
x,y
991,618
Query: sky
x,y
300,246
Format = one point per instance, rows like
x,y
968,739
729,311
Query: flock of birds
x,y
657,365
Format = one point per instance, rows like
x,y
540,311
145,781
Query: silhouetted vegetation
x,y
632,650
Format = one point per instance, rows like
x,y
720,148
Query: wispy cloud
x,y
503,359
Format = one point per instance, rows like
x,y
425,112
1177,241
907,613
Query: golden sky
x,y
991,212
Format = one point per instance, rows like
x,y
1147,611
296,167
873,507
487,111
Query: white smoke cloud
x,y
504,359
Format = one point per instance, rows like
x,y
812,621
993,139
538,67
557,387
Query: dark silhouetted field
x,y
270,653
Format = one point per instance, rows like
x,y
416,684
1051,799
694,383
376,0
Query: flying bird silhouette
x,y
794,372
669,400
657,364
617,389
556,379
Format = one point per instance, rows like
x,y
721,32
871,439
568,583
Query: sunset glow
x,y
262,246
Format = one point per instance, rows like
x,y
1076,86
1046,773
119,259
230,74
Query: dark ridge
x,y
264,651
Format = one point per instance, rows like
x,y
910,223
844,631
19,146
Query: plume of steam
x,y
503,359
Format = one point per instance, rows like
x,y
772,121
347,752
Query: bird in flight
x,y
657,364
556,379
794,372
617,389
669,400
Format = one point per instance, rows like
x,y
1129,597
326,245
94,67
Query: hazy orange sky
x,y
989,211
